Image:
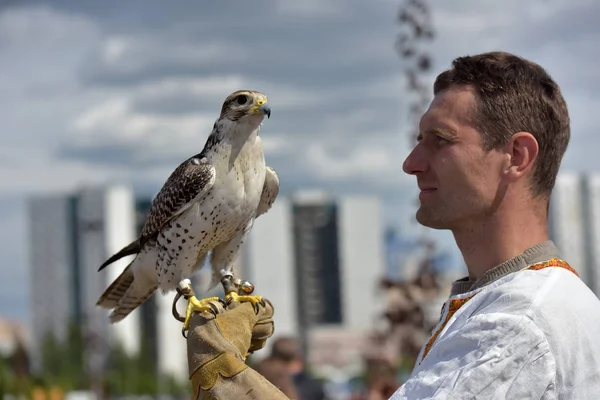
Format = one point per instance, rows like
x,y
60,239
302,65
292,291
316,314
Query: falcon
x,y
206,208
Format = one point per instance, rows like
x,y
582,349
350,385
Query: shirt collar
x,y
537,253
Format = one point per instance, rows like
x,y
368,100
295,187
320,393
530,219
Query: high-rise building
x,y
574,224
70,236
54,273
566,221
267,261
319,259
316,259
106,223
362,257
591,198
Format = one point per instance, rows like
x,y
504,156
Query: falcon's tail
x,y
132,248
117,289
128,303
122,296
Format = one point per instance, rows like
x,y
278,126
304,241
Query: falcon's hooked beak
x,y
263,107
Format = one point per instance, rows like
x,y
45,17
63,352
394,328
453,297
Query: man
x,y
276,372
287,349
522,325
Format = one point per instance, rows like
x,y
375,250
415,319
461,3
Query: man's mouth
x,y
425,188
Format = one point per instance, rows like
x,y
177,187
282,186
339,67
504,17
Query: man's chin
x,y
431,221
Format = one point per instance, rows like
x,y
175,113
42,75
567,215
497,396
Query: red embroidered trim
x,y
456,304
554,262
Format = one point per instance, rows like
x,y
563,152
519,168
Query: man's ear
x,y
522,151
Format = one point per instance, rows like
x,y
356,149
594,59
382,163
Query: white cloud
x,y
162,136
365,161
38,175
114,48
208,87
113,122
18,26
310,8
40,49
133,53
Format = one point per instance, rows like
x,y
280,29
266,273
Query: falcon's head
x,y
246,106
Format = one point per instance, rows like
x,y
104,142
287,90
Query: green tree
x,y
131,375
62,362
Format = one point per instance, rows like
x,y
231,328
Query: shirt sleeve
x,y
492,356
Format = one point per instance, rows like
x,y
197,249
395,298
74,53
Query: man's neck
x,y
486,245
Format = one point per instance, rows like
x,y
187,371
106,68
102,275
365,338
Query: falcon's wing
x,y
191,179
269,192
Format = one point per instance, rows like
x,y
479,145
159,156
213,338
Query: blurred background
x,y
102,100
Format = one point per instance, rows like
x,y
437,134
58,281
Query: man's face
x,y
458,179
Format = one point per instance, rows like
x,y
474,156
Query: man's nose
x,y
416,161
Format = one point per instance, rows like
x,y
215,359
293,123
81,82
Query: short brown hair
x,y
515,95
275,371
287,349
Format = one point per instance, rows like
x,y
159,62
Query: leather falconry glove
x,y
218,343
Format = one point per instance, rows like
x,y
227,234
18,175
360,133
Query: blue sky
x,y
122,93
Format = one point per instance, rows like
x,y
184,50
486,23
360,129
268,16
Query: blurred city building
x,y
70,236
575,224
317,257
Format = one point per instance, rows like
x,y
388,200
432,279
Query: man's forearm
x,y
247,384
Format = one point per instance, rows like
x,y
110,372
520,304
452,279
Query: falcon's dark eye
x,y
242,99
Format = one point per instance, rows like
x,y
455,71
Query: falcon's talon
x,y
195,305
255,300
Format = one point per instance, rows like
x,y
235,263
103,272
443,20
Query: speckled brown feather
x,y
117,289
188,180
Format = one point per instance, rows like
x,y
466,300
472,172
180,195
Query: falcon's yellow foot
x,y
195,305
255,300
